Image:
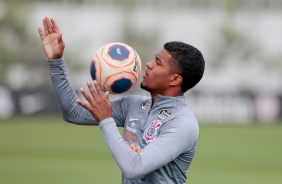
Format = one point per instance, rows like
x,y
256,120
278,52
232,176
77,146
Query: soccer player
x,y
160,132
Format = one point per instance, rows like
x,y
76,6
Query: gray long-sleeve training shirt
x,y
159,141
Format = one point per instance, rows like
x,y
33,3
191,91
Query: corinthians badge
x,y
151,133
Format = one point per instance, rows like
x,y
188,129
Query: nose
x,y
149,64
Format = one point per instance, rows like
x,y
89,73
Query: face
x,y
158,73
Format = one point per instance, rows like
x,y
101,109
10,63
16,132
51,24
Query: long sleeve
x,y
66,96
173,140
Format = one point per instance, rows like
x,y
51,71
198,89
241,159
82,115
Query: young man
x,y
160,132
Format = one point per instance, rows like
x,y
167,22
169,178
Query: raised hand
x,y
52,41
99,104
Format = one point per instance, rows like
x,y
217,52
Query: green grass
x,y
47,150
238,155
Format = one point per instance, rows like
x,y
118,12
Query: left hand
x,y
99,104
52,40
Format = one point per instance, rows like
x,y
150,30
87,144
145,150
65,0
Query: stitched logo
x,y
145,105
151,133
133,119
130,137
164,113
133,147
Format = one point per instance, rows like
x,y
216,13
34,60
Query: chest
x,y
143,126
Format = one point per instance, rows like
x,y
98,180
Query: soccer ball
x,y
117,67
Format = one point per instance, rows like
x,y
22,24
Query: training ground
x,y
47,150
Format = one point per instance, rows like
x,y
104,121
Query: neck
x,y
169,94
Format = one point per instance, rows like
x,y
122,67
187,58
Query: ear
x,y
175,80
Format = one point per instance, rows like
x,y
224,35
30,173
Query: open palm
x,y
52,41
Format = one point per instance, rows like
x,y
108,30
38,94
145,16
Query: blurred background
x,y
238,102
240,40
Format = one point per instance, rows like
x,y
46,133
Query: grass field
x,y
46,150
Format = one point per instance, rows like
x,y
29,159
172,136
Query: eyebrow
x,y
157,58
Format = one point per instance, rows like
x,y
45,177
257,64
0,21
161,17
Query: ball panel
x,y
115,64
123,50
128,75
131,75
96,69
93,70
118,52
111,85
120,86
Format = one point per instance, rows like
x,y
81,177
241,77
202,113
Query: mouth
x,y
145,74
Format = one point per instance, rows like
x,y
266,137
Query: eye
x,y
158,63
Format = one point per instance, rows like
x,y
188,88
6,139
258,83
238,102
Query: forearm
x,y
132,164
124,156
66,95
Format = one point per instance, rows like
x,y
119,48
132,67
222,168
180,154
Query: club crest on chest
x,y
151,133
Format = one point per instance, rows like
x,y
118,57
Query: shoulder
x,y
182,127
131,100
136,99
183,120
187,118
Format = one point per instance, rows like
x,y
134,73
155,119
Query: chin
x,y
144,87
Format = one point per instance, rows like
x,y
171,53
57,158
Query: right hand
x,y
52,41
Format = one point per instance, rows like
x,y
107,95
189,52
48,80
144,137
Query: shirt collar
x,y
168,101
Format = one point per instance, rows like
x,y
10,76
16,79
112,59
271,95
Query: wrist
x,y
55,61
106,121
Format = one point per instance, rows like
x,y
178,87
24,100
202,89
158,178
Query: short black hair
x,y
189,62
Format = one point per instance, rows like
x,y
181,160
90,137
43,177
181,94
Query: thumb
x,y
60,39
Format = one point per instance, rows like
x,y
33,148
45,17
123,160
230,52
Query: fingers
x,y
41,33
98,88
95,94
107,95
82,104
92,90
55,26
45,20
50,26
86,96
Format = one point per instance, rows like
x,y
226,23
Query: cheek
x,y
161,79
162,75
